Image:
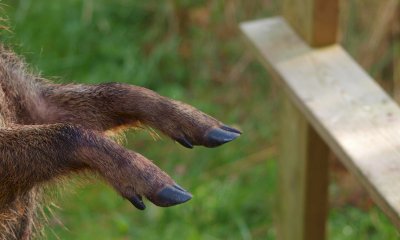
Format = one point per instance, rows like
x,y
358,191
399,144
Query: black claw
x,y
184,142
231,129
136,201
219,136
170,196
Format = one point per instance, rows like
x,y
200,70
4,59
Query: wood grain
x,y
354,116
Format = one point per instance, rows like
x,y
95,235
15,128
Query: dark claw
x,y
219,136
231,129
137,202
184,142
170,196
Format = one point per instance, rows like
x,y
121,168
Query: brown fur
x,y
50,130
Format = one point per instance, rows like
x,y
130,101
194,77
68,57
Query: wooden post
x,y
303,164
315,20
303,178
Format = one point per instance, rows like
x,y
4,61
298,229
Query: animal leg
x,y
31,155
107,106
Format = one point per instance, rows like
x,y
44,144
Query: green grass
x,y
191,51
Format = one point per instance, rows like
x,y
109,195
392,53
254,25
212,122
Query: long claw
x,y
219,136
136,201
170,196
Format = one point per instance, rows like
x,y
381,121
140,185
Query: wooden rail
x,y
328,99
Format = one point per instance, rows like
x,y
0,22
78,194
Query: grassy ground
x,y
187,50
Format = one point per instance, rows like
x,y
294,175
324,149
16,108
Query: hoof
x,y
219,136
170,196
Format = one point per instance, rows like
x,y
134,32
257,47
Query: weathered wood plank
x,y
354,116
303,178
315,20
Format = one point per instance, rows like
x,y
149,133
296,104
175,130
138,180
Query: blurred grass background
x,y
188,50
